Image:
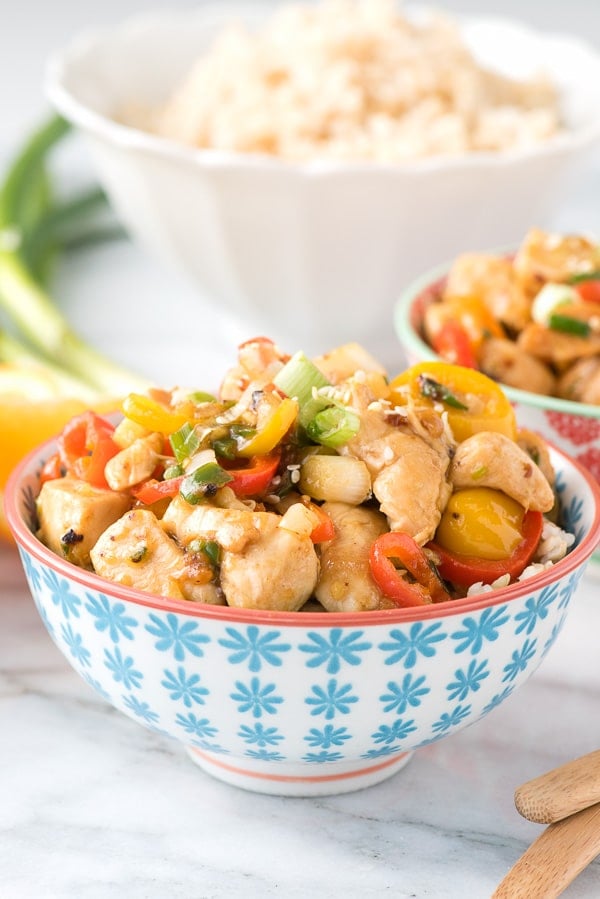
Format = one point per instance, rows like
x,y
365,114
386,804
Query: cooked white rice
x,y
353,79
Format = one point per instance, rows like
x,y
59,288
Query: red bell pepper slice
x,y
324,530
463,571
152,490
254,478
52,469
85,446
589,290
453,344
427,586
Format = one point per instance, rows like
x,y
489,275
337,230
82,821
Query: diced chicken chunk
x,y
72,515
489,459
264,565
342,362
503,361
278,572
345,583
581,382
232,529
557,347
408,471
135,463
545,256
493,279
136,551
537,449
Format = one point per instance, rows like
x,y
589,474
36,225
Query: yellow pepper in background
x,y
272,431
155,416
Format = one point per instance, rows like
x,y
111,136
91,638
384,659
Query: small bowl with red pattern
x,y
573,427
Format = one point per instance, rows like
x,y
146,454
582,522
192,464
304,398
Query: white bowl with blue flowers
x,y
303,703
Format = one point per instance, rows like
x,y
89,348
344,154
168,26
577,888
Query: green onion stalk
x,y
35,227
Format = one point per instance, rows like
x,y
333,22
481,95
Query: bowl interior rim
x,y
27,541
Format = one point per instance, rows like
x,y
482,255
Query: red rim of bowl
x,y
28,541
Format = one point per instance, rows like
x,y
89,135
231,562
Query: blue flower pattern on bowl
x,y
114,648
305,694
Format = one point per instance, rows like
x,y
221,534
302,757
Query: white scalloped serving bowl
x,y
311,253
302,703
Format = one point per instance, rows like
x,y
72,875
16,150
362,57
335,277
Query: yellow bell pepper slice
x,y
273,431
155,416
481,522
487,407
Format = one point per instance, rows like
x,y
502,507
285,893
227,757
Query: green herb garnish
x,y
437,392
184,442
333,426
584,276
203,482
569,325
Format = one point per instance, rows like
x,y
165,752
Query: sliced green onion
x,y
241,433
225,447
210,548
203,481
549,299
299,378
200,396
334,426
569,325
436,391
584,276
172,471
184,442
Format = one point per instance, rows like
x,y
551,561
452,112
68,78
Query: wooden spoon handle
x,y
555,859
562,791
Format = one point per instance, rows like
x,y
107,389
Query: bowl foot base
x,y
329,778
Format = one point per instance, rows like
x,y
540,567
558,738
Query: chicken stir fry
x,y
306,481
531,322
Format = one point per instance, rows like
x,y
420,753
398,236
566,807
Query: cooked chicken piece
x,y
489,459
342,362
494,280
277,572
544,256
581,382
135,463
264,564
345,583
136,551
408,471
504,361
231,528
127,431
73,514
556,347
537,449
259,361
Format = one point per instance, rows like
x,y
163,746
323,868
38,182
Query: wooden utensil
x,y
562,791
555,859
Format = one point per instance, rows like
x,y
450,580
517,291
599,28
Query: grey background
x,y
118,296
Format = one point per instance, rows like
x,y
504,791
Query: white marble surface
x,y
92,805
